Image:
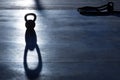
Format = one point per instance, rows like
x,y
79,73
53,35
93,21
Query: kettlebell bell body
x,y
30,24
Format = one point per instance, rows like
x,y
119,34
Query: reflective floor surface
x,y
70,46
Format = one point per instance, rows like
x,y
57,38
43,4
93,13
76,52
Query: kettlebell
x,y
30,24
110,7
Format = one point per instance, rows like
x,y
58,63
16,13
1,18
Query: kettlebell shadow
x,y
31,45
32,73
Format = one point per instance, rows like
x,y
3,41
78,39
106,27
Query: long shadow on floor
x,y
31,45
32,73
115,13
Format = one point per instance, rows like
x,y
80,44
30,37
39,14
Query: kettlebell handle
x,y
29,15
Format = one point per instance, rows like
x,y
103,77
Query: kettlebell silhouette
x,y
30,34
110,7
31,46
30,24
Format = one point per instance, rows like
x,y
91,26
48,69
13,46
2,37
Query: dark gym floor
x,y
72,46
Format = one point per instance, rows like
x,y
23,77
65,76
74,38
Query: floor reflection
x,y
31,45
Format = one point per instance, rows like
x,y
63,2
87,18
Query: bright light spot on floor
x,y
32,59
26,3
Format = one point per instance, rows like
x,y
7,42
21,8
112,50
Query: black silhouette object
x,y
106,9
32,73
30,24
30,39
31,44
